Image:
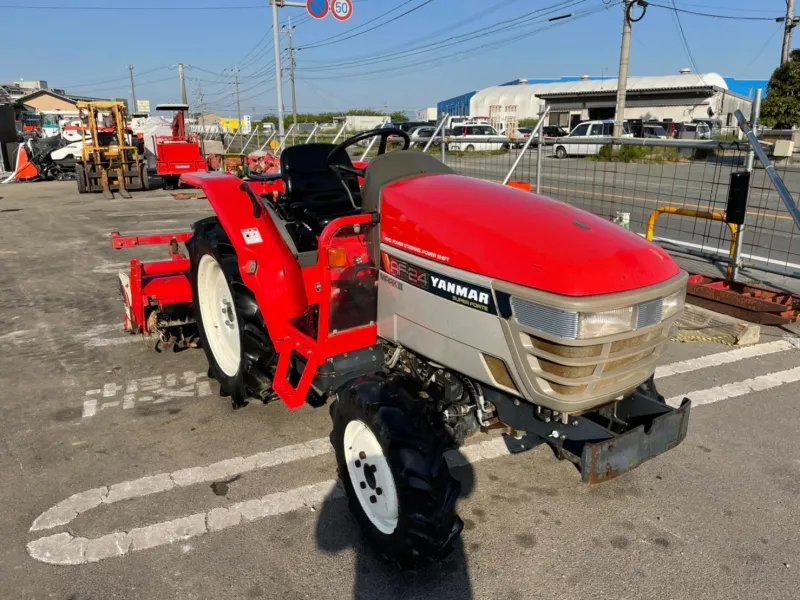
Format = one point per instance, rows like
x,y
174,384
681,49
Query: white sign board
x,y
143,106
247,124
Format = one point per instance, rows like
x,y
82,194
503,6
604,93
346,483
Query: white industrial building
x,y
679,98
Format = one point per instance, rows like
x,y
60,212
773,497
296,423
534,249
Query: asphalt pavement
x,y
125,475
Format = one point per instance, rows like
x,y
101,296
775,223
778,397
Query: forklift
x,y
108,160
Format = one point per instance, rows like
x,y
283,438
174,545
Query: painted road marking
x,y
718,251
155,389
724,358
740,388
66,549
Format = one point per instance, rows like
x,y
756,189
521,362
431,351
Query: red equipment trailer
x,y
180,152
427,307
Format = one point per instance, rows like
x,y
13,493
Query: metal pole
x,y
283,141
276,42
182,78
373,140
443,147
133,90
238,104
534,133
289,31
313,133
248,140
780,186
439,127
341,131
624,61
789,24
539,149
269,139
233,137
755,114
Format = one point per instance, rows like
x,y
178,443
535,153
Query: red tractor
x,y
426,307
178,153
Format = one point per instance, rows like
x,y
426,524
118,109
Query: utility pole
x,y
133,90
289,30
238,104
276,42
182,79
624,61
790,22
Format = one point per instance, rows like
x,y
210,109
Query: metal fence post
x,y
539,151
443,147
536,131
737,251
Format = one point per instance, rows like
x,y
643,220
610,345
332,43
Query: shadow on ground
x,y
337,531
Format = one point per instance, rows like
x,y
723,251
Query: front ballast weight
x,y
605,442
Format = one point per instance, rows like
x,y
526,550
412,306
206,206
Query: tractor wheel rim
x,y
371,477
219,315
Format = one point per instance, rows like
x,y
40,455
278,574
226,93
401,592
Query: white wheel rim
x,y
370,476
219,315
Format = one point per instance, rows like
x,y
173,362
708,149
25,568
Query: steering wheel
x,y
384,133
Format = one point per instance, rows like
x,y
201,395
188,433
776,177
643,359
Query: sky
x,y
389,55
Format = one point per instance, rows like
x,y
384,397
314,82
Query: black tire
x,y
561,152
427,524
252,378
80,175
469,148
144,177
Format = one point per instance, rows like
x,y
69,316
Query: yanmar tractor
x,y
427,307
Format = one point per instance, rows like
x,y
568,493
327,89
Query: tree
x,y
781,107
529,122
398,117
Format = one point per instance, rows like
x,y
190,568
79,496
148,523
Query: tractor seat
x,y
314,194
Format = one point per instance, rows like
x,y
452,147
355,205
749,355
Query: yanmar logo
x,y
448,288
460,291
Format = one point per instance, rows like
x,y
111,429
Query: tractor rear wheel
x,y
232,332
392,463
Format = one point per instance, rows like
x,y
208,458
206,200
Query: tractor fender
x,y
277,282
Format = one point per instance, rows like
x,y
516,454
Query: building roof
x,y
36,93
683,81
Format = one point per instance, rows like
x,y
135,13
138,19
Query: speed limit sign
x,y
342,9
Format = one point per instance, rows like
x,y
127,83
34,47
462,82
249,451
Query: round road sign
x,y
342,9
317,9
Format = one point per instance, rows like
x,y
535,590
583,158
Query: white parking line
x,y
739,388
724,358
66,549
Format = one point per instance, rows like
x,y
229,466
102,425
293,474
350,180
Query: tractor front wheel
x,y
391,461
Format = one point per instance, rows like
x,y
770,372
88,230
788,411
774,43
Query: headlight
x,y
609,322
673,304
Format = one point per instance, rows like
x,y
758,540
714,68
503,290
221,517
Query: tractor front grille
x,y
561,371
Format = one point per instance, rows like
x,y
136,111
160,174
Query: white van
x,y
475,137
591,131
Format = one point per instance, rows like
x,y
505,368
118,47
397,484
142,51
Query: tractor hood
x,y
516,236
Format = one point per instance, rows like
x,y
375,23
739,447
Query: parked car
x,y
697,131
591,132
476,137
554,131
653,131
421,135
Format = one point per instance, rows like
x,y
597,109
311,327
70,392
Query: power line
x,y
710,15
136,8
96,83
682,34
325,42
500,27
494,45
